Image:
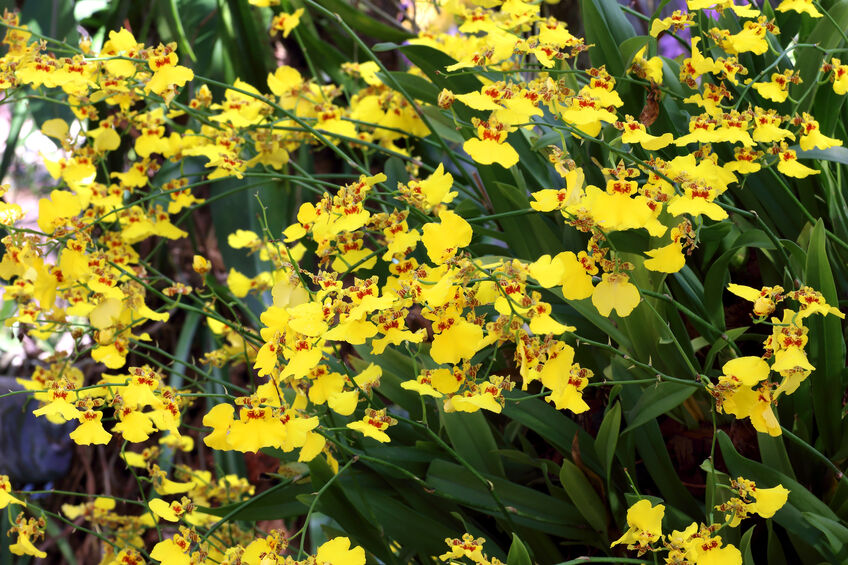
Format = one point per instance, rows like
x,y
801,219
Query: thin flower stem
x,y
807,214
692,315
768,231
581,560
840,29
314,503
627,357
840,475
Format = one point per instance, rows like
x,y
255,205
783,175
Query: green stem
x,y
840,476
322,490
627,357
692,315
580,560
229,515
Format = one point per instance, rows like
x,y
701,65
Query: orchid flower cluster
x,y
369,268
699,544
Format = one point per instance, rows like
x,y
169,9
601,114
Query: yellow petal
x,y
489,151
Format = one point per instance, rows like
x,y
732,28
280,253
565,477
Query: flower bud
x,y
201,264
446,99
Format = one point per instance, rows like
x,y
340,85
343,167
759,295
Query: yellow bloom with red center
x,y
620,208
90,431
167,74
6,497
635,132
767,127
586,114
763,299
743,11
374,424
752,37
838,74
615,292
799,6
702,129
444,239
647,68
285,22
677,21
27,531
777,89
436,382
755,404
813,302
174,551
811,135
468,546
645,521
697,65
573,272
696,201
135,426
170,512
337,551
788,164
666,259
57,210
567,387
769,500
490,146
752,499
455,337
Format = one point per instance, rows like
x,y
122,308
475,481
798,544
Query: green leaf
x,y
607,438
655,401
330,57
526,506
606,29
826,343
421,528
717,276
717,347
56,22
283,503
836,533
397,367
417,87
518,554
358,20
471,437
745,547
650,444
19,115
583,495
834,154
248,40
527,236
443,126
432,63
554,427
773,453
775,552
335,503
